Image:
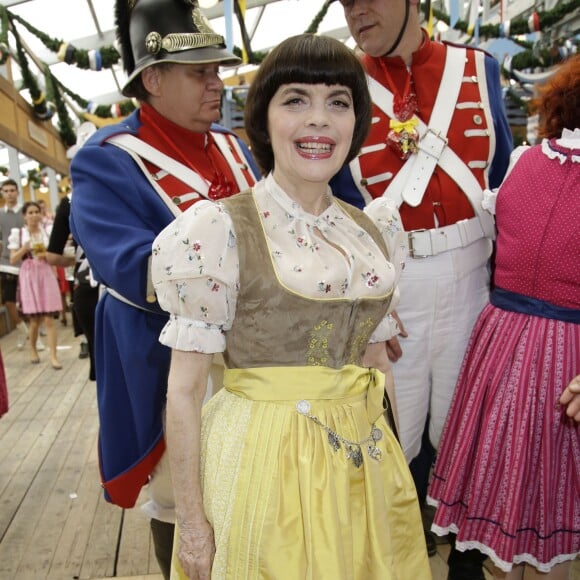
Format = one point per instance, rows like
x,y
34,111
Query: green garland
x,y
313,28
109,55
4,52
65,124
532,56
518,25
37,96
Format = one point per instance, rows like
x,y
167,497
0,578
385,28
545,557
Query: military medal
x,y
403,135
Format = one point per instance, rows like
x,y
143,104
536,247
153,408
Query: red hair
x,y
559,100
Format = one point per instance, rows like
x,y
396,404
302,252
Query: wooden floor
x,y
54,523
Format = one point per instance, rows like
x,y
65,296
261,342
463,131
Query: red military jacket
x,y
471,135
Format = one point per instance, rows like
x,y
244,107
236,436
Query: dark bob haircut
x,y
312,60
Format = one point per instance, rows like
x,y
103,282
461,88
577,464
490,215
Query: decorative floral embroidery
x,y
301,242
194,253
214,286
324,287
317,351
371,279
361,338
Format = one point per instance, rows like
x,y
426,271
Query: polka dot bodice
x,y
538,221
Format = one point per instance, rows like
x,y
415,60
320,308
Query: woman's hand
x,y
376,357
196,550
571,399
17,255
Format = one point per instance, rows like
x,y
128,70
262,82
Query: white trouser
x,y
161,505
441,297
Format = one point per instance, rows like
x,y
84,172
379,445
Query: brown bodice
x,y
276,326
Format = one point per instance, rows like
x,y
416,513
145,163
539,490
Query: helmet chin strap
x,y
402,31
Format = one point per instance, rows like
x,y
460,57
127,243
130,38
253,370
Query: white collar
x,y
570,139
17,208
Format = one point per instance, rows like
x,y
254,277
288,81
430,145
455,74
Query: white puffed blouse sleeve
x,y
195,272
385,215
17,238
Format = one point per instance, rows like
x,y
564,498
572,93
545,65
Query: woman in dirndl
x,y
38,291
291,470
507,475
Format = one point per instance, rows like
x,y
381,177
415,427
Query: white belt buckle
x,y
411,247
433,143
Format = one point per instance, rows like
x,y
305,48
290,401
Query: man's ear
x,y
151,79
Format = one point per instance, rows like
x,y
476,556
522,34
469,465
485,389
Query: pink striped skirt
x,y
507,475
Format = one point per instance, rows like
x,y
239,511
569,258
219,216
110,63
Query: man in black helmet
x,y
439,137
130,181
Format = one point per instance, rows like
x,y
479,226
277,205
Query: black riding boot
x,y
466,565
420,468
162,533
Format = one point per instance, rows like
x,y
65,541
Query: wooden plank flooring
x,y
54,522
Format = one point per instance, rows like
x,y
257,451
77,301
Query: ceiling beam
x,y
94,16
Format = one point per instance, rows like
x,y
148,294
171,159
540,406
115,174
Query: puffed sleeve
x,y
490,195
195,271
14,239
384,213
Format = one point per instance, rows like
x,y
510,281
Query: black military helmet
x,y
152,31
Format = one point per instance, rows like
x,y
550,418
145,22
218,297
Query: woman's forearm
x,y
186,389
17,255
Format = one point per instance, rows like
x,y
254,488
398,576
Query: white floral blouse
x,y
195,265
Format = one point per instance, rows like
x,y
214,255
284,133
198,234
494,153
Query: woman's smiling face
x,y
311,129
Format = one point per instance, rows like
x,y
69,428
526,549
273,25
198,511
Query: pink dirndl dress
x,y
38,289
507,474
